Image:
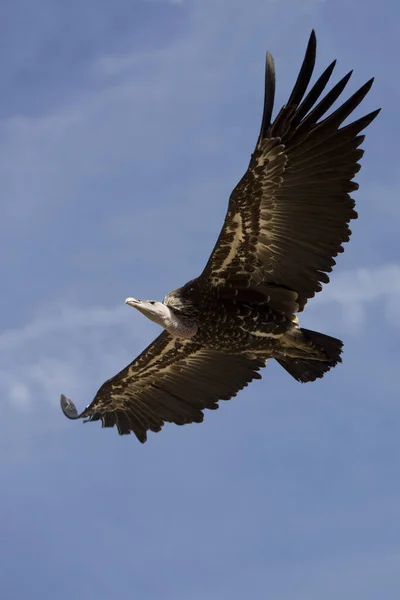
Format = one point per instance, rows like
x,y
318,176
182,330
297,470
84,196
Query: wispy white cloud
x,y
67,351
363,285
352,293
65,319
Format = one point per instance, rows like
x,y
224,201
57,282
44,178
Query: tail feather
x,y
310,369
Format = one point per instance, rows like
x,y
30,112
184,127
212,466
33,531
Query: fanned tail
x,y
310,369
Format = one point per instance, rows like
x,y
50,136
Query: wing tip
x,y
373,114
68,408
305,73
269,95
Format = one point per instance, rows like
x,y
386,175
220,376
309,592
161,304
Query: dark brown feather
x,y
186,380
288,217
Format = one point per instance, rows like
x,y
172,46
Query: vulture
x,y
287,220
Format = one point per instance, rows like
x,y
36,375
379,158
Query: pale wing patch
x,y
151,364
173,352
261,334
244,247
228,250
133,380
274,157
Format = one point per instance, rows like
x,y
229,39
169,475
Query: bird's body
x,y
248,327
226,323
287,219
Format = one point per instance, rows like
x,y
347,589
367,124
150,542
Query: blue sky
x,y
124,126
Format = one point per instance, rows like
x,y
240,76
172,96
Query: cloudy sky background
x,y
124,126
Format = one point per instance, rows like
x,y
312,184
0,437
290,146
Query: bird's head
x,y
153,310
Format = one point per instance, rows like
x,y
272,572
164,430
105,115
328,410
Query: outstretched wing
x,y
173,380
288,217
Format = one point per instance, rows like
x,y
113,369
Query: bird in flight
x,y
287,219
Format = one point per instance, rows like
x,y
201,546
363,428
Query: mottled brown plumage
x,y
286,222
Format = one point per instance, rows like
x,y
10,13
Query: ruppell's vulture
x,y
287,219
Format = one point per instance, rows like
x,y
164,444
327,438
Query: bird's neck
x,y
178,325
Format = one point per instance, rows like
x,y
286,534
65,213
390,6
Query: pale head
x,y
160,313
153,310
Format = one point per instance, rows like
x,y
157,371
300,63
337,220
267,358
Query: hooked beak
x,y
143,307
132,302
